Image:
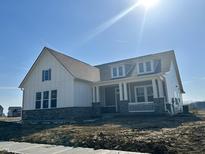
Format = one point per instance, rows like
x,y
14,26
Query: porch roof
x,y
130,79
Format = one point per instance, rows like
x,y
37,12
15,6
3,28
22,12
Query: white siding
x,y
61,81
173,89
82,94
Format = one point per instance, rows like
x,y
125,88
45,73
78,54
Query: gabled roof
x,y
167,58
76,68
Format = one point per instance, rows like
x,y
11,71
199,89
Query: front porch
x,y
128,96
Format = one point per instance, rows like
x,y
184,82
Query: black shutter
x,y
43,74
49,74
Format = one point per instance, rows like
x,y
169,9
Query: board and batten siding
x,y
173,89
61,80
82,93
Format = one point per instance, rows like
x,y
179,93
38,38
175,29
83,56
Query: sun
x,y
148,3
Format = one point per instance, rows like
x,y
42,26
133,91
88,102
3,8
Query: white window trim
x,y
46,99
144,66
145,93
123,71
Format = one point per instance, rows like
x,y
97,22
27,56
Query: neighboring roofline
x,y
148,55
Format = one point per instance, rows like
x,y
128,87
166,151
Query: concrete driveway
x,y
30,148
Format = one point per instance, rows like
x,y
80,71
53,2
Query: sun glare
x,y
148,3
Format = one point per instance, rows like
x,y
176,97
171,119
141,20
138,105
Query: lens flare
x,y
148,3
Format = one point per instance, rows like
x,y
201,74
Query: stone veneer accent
x,y
123,107
159,105
96,109
57,114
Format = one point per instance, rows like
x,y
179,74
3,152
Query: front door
x,y
117,98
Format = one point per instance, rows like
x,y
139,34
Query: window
x,y
45,99
114,72
148,66
150,97
118,71
38,100
176,101
140,94
173,100
141,67
46,75
53,98
145,67
144,94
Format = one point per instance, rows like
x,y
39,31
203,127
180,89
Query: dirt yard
x,y
5,152
178,134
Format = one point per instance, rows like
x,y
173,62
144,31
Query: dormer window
x,y
148,66
145,67
121,72
46,75
114,72
141,67
118,71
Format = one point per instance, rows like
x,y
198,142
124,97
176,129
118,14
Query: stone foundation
x,y
123,107
96,109
58,114
108,109
159,105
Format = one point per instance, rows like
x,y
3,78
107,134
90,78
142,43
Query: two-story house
x,y
59,87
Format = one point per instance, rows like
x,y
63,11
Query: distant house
x,y
1,111
59,87
198,105
14,111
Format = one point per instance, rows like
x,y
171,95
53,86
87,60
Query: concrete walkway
x,y
30,148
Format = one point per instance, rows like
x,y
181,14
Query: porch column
x,y
94,99
97,94
125,91
154,88
161,93
96,106
121,91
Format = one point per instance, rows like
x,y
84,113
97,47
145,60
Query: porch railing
x,y
141,107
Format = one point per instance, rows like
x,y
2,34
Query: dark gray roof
x,y
77,68
167,58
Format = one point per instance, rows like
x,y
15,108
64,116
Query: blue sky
x,y
85,30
